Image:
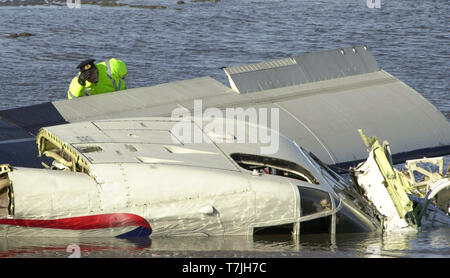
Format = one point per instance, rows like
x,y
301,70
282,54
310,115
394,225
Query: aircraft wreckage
x,y
112,165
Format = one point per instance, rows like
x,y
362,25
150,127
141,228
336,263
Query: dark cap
x,y
86,65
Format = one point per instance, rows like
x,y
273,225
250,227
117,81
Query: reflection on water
x,y
433,243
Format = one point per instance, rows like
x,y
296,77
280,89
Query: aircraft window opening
x,y
313,201
274,166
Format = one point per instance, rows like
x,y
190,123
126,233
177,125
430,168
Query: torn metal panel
x,y
378,177
373,182
392,192
6,194
436,188
421,187
432,216
53,147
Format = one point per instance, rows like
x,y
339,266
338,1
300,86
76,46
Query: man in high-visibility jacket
x,y
105,77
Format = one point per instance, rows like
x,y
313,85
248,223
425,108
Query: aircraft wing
x,y
323,98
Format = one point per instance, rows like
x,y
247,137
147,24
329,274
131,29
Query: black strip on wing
x,y
21,154
398,158
18,128
32,118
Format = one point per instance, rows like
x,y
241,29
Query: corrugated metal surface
x,y
261,66
301,69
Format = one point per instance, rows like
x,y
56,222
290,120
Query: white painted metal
x,y
40,193
180,189
370,178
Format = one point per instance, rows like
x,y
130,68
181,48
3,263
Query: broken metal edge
x,y
47,142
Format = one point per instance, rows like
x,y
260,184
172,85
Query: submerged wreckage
x,y
119,169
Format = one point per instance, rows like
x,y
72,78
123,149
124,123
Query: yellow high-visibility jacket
x,y
111,78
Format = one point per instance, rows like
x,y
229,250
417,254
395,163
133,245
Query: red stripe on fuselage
x,y
100,221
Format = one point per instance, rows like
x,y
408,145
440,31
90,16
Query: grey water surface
x,y
409,39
